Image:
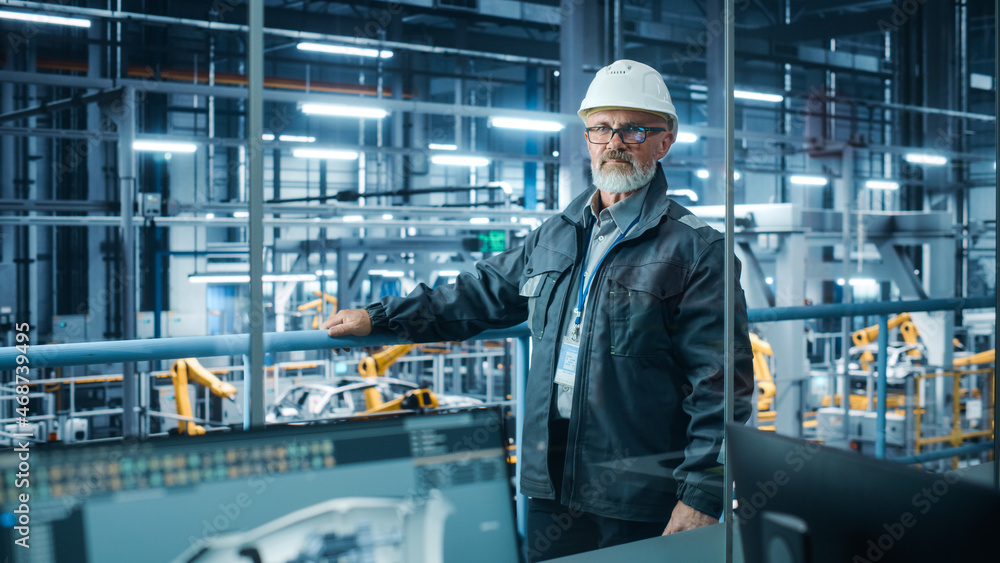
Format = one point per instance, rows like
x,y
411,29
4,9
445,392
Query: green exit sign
x,y
493,241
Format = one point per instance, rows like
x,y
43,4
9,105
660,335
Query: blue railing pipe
x,y
109,352
944,454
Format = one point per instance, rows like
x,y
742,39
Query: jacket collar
x,y
654,206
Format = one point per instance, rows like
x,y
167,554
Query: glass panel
x,y
866,148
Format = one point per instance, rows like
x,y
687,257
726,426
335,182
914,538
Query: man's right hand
x,y
348,322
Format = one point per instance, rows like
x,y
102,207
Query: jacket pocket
x,y
640,300
538,284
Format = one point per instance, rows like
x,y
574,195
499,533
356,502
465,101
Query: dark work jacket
x,y
648,408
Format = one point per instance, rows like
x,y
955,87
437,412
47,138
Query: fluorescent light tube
x,y
440,147
343,111
923,158
387,273
758,96
344,50
326,154
352,218
449,273
809,180
526,124
39,18
480,220
882,185
241,214
702,173
164,146
449,160
686,137
245,278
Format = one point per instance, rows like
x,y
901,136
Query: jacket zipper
x,y
584,374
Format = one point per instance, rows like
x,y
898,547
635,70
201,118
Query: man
x,y
623,292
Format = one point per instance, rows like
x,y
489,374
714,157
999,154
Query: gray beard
x,y
621,182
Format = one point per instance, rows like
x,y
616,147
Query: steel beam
x,y
59,105
730,273
125,120
254,375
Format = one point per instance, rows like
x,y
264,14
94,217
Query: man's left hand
x,y
686,518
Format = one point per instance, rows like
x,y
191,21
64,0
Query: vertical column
x,y
573,154
789,365
99,188
127,185
718,92
7,191
729,325
531,144
254,376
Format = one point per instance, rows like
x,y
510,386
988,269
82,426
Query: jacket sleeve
x,y
700,318
486,298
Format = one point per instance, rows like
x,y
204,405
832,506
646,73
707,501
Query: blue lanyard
x,y
585,288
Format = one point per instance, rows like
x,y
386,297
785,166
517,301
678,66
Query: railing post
x,y
883,382
520,380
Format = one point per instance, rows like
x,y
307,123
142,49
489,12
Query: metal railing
x,y
239,345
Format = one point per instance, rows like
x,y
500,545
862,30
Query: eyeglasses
x,y
629,135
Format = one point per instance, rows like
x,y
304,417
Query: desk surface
x,y
703,545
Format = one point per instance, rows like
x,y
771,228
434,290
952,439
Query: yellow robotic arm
x,y
189,369
318,305
867,335
376,365
987,357
762,373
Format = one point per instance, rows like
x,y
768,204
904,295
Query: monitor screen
x,y
422,488
800,502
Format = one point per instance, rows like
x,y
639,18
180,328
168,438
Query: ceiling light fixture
x,y
758,96
449,160
343,111
924,158
526,124
245,278
39,18
809,180
882,185
344,50
325,154
163,146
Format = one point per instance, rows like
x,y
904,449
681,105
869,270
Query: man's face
x,y
621,168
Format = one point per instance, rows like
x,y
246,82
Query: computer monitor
x,y
800,502
417,488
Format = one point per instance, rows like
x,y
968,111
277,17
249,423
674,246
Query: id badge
x,y
566,368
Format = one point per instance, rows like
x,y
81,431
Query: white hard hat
x,y
629,84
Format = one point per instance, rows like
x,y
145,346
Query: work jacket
x,y
648,408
